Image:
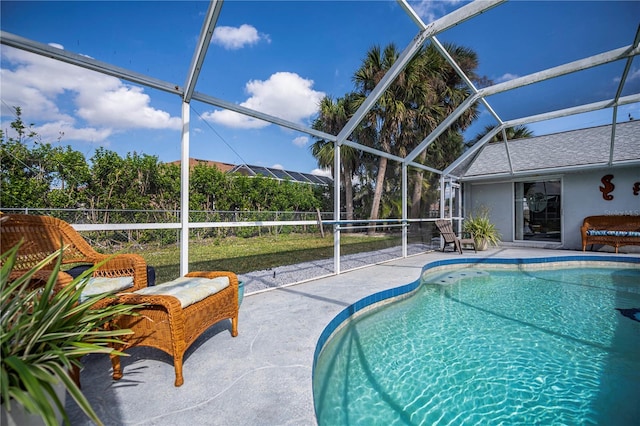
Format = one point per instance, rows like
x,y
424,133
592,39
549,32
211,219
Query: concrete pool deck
x,y
262,376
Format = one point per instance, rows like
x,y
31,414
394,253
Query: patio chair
x,y
446,231
44,235
176,313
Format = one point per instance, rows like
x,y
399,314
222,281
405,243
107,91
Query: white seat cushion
x,y
99,285
187,290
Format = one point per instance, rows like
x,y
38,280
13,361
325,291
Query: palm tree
x,y
516,132
423,94
449,91
332,118
392,111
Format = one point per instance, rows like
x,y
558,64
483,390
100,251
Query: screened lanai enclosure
x,y
179,80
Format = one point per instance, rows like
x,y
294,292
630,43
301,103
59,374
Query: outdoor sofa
x,y
615,231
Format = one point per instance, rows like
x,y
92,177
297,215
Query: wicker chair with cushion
x,y
171,321
44,235
446,231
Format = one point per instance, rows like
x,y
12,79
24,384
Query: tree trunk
x,y
348,192
377,195
416,198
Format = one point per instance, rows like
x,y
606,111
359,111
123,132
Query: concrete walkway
x,y
261,377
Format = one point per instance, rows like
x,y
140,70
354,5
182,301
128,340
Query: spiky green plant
x,y
481,227
44,333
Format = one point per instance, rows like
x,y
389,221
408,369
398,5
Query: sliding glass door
x,y
537,210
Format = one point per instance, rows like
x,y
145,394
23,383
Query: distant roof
x,y
270,172
280,174
585,148
223,167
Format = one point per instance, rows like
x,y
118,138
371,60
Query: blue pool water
x,y
490,347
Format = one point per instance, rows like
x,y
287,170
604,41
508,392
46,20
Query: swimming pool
x,y
480,344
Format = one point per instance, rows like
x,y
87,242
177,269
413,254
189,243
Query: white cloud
x,y
301,141
233,38
124,107
431,10
42,87
278,166
235,120
285,95
506,77
322,172
66,131
634,74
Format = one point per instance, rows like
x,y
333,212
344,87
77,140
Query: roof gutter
x,y
553,170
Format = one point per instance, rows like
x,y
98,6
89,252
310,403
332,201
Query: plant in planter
x,y
483,230
45,331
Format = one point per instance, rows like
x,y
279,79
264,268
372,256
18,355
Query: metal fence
x,y
143,231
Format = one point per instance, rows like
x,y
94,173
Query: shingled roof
x,y
585,148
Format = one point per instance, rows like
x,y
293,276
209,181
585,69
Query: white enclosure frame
x,y
425,33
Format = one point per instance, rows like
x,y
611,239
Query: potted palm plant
x,y
45,332
483,230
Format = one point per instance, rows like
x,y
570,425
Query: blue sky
x,y
282,57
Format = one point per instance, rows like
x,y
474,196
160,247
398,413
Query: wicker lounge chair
x,y
164,324
44,235
446,231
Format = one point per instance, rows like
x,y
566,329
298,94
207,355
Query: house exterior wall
x,y
497,198
581,197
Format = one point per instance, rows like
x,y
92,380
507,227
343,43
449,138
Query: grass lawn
x,y
242,255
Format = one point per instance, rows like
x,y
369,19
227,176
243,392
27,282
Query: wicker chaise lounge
x,y
164,324
42,236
